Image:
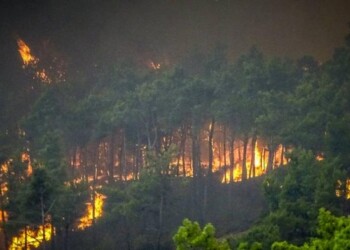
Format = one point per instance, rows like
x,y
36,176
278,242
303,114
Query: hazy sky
x,y
167,29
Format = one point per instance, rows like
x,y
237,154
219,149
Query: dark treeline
x,y
141,132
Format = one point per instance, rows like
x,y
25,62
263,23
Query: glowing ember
x,y
43,76
30,237
319,157
155,66
92,212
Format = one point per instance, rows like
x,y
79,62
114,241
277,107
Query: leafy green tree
x,y
333,233
191,236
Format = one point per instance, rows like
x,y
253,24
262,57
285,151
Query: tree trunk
x,y
262,159
66,236
244,162
121,156
271,149
111,160
252,162
195,154
232,159
85,166
225,161
183,148
210,147
52,236
282,155
42,218
161,205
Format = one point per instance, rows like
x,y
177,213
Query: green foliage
x,y
253,246
260,236
191,236
295,193
333,233
300,104
38,196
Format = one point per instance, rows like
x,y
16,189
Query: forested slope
x,y
154,144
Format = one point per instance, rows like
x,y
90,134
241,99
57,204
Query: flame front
x,y
31,238
94,210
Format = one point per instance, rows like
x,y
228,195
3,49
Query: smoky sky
x,y
165,30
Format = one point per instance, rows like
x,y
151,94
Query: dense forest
x,y
152,154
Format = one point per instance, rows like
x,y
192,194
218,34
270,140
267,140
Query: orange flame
x,y
3,190
25,157
3,217
30,237
24,51
260,162
341,190
90,215
32,61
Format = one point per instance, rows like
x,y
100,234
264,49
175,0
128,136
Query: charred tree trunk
x,y
225,161
138,162
111,160
196,155
244,161
183,148
196,166
66,236
160,230
52,236
210,147
282,155
232,158
252,158
262,159
210,169
121,156
271,149
42,217
85,166
181,154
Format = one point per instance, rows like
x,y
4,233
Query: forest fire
x,y
29,60
260,164
29,237
93,211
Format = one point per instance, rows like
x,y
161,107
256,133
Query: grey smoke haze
x,y
167,29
